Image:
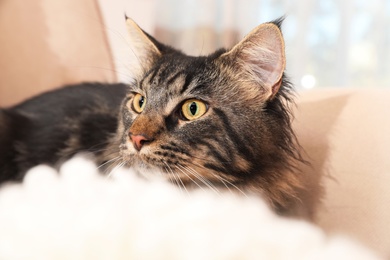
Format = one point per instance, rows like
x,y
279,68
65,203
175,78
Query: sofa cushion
x,y
346,136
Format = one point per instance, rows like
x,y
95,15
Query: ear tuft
x,y
142,46
260,56
278,22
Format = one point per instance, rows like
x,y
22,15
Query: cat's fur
x,y
56,125
244,140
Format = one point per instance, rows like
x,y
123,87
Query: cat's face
x,y
183,117
206,120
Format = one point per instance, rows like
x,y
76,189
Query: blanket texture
x,y
78,214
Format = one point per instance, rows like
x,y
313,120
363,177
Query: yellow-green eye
x,y
139,103
193,109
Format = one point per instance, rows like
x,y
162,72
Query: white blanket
x,y
79,214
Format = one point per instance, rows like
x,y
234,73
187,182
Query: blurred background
x,y
329,43
45,44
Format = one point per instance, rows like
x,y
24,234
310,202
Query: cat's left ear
x,y
260,57
144,47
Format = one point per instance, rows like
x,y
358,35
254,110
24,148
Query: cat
x,y
221,121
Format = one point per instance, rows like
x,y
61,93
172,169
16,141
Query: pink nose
x,y
138,141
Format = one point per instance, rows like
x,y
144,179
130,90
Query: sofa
x,y
344,133
345,136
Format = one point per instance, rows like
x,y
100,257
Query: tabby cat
x,y
221,121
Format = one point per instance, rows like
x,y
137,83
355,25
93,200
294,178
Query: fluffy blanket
x,y
79,214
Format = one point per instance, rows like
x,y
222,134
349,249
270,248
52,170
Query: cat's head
x,y
221,119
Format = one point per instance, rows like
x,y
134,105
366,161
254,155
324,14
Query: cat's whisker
x,y
178,181
91,149
181,180
116,168
202,179
109,161
223,180
198,175
112,166
170,177
183,170
175,179
169,170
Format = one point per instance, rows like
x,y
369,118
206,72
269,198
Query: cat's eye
x,y
139,103
193,109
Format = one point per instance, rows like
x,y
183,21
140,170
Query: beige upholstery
x,y
346,133
46,43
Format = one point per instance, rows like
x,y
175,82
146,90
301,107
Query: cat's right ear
x,y
260,58
143,46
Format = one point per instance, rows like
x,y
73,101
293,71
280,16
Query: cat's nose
x,y
138,141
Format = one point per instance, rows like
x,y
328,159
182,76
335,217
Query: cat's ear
x,y
144,47
260,57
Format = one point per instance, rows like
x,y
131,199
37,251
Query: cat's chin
x,y
147,171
